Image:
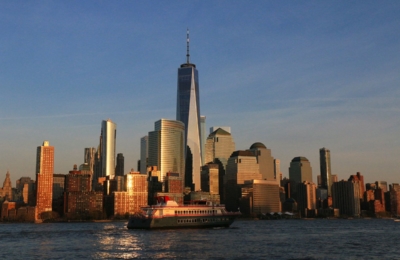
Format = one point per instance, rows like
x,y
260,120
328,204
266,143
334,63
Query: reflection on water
x,y
281,239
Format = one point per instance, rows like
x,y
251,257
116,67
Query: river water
x,y
251,239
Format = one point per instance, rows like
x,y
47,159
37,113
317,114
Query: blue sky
x,y
294,75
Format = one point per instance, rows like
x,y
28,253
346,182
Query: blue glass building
x,y
188,112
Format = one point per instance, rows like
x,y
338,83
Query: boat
x,y
167,214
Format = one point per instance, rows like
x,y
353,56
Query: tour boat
x,y
168,214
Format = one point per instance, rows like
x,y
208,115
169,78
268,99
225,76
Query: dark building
x,y
119,169
360,179
325,169
346,197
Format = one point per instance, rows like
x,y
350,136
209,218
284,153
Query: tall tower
x,y
44,179
188,112
120,169
166,147
89,157
108,143
325,167
144,154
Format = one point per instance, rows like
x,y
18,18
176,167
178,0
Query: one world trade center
x,y
188,111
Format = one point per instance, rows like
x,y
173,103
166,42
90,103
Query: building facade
x,y
144,154
108,146
166,147
325,169
120,168
210,178
242,166
44,180
188,112
260,197
306,197
265,161
219,144
299,171
346,197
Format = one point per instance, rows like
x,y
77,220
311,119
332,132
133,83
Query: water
x,y
264,239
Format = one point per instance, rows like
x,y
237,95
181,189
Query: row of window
x,y
182,212
202,220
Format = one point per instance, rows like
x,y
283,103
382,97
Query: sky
x,y
294,75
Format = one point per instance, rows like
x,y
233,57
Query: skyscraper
x,y
265,160
44,179
144,154
166,147
202,137
120,169
108,143
325,167
89,157
219,144
299,171
188,112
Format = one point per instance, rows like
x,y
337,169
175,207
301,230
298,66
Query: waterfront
x,y
269,239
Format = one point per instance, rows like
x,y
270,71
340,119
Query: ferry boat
x,y
168,214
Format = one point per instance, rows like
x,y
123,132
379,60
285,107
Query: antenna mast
x,y
187,44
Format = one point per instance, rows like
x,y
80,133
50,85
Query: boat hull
x,y
180,222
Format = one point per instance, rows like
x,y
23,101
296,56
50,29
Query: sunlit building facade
x,y
166,147
108,143
219,144
265,161
44,179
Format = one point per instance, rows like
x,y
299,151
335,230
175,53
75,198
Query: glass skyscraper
x,y
325,167
188,112
108,141
166,147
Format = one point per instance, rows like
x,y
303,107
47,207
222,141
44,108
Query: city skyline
x,y
328,79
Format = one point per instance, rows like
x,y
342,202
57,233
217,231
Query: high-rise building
x,y
166,147
260,197
188,112
277,170
300,170
44,179
119,169
210,178
79,201
108,143
265,160
325,169
242,166
89,157
360,179
219,144
306,197
346,197
144,154
203,137
6,191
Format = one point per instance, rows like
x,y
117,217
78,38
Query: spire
x,y
187,44
187,63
